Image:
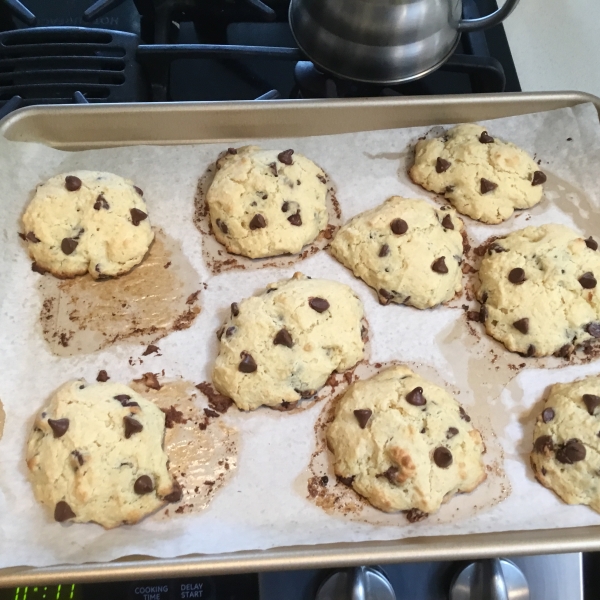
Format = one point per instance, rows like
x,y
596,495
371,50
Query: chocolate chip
x,y
151,349
548,414
517,276
62,511
140,191
124,399
484,297
150,380
415,397
137,216
591,402
385,294
31,237
384,250
285,206
593,329
414,515
522,325
231,151
37,269
229,331
588,281
591,243
390,474
176,494
102,376
538,178
442,165
570,452
487,186
530,351
463,415
495,247
447,222
72,183
362,416
283,338
59,426
318,304
101,203
449,188
78,457
247,364
321,178
222,226
295,219
483,314
211,413
442,457
143,485
273,167
235,309
486,138
452,431
564,351
543,444
22,235
346,480
131,426
257,222
439,265
285,157
68,245
399,226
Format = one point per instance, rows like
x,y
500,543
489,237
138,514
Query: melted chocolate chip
x,y
143,485
570,452
543,444
415,397
439,265
72,183
59,426
247,364
538,178
318,304
522,325
101,203
362,416
486,138
31,237
140,191
564,351
517,276
176,494
257,222
235,309
452,431
385,294
588,281
68,245
463,415
593,329
442,165
442,457
591,243
37,269
102,376
548,414
295,219
131,426
414,515
399,226
222,226
63,512
591,402
390,474
384,250
486,185
285,157
346,480
283,338
447,222
137,216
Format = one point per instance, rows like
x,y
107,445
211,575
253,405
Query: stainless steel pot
x,y
383,41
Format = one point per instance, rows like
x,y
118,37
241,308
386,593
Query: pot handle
x,y
490,20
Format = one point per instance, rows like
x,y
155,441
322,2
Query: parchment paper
x,y
263,505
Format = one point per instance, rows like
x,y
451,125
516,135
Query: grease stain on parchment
x,y
202,450
160,295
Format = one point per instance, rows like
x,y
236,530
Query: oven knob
x,y
492,579
360,583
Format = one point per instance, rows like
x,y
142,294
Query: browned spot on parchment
x,y
202,450
82,315
320,485
218,260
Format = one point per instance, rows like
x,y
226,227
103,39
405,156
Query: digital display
x,y
50,592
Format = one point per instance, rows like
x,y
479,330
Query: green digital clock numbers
x,y
50,592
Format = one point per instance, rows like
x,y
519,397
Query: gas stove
x,y
200,50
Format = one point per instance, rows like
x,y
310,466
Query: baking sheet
x,y
263,505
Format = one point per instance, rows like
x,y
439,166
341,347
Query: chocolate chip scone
x,y
266,202
404,443
483,177
283,344
566,442
538,290
406,249
96,454
87,221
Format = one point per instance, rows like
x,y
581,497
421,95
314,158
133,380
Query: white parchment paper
x,y
263,505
